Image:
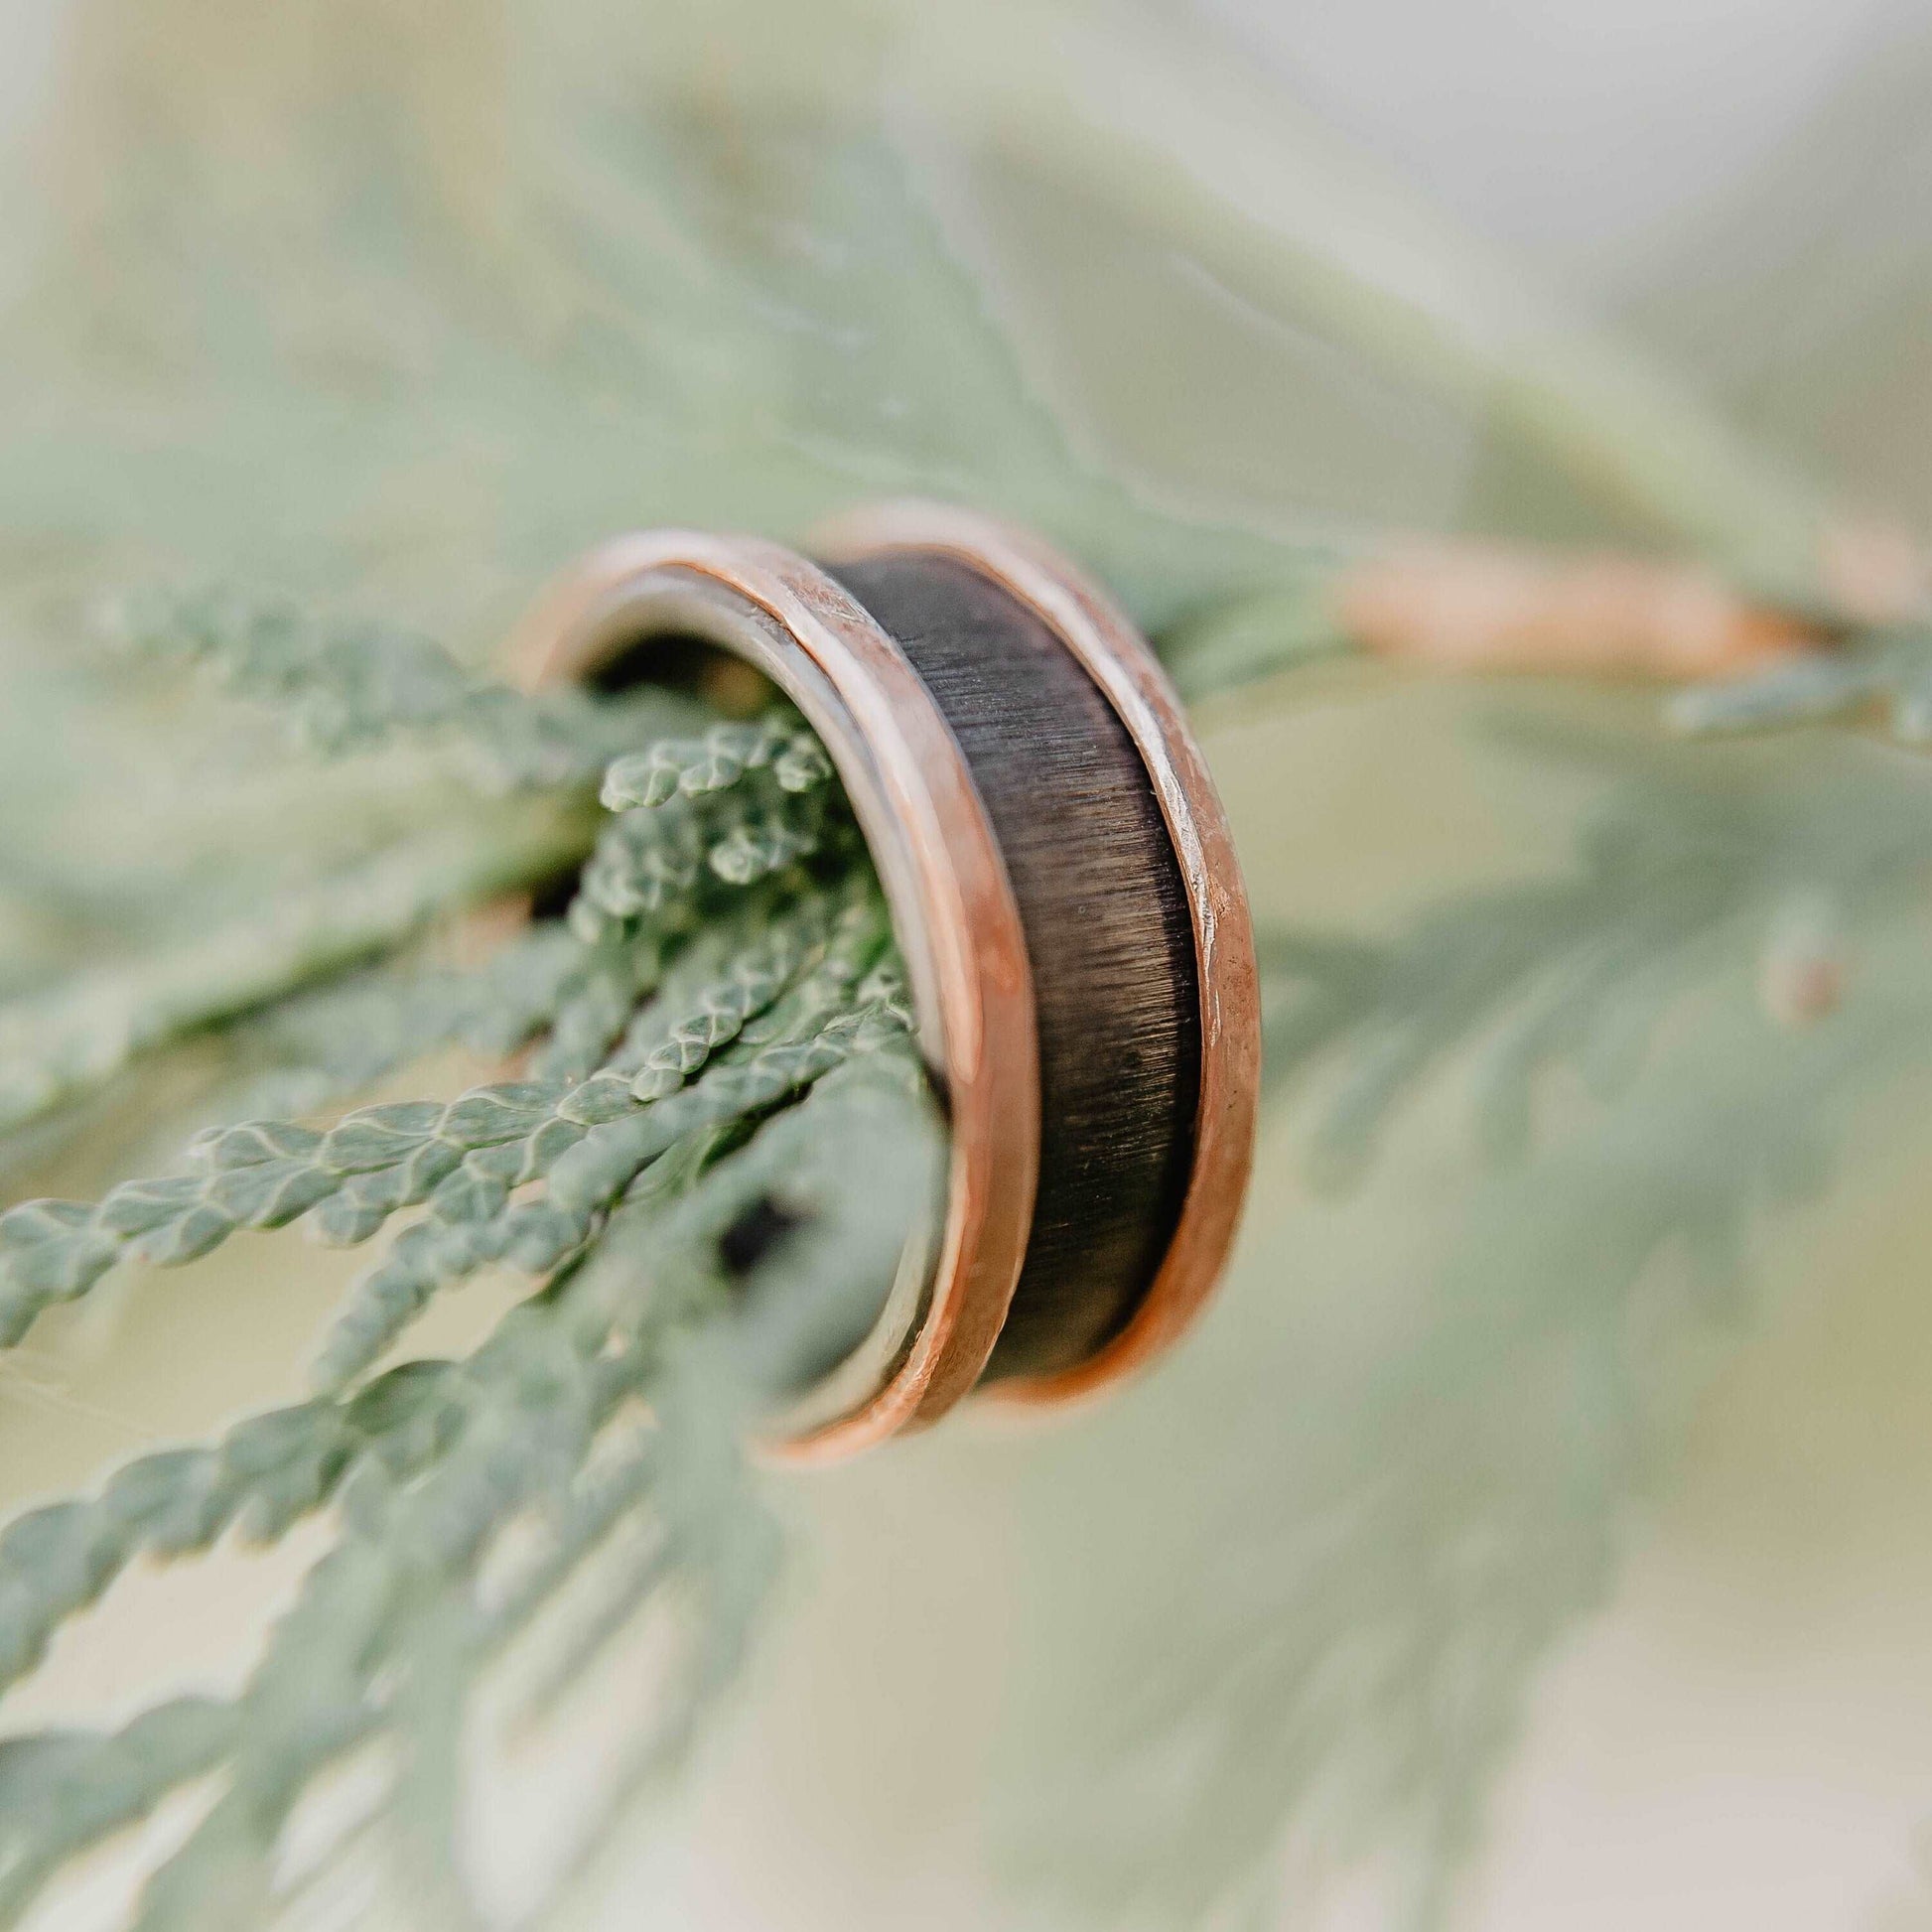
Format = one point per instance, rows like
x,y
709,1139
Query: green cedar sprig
x,y
351,685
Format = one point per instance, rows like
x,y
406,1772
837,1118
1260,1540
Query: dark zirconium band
x,y
1109,942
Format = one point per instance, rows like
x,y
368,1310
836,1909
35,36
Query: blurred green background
x,y
1456,1571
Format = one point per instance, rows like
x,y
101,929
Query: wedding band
x,y
1063,889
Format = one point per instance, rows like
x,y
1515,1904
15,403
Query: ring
x,y
1063,889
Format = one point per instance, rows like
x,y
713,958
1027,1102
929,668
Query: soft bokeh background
x,y
1413,1588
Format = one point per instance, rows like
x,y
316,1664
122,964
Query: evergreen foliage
x,y
349,686
738,293
717,1031
1883,671
1680,870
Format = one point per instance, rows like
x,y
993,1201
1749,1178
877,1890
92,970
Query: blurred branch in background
x,y
1371,1551
1394,1488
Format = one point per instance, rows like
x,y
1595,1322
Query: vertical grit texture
x,y
1108,937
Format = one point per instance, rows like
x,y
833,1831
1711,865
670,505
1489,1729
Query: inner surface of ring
x,y
1109,940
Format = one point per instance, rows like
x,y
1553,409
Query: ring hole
x,y
755,1233
693,665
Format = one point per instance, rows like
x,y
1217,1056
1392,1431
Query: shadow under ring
x,y
1062,887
